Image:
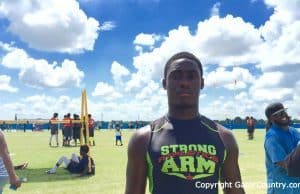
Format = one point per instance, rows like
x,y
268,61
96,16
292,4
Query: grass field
x,y
110,163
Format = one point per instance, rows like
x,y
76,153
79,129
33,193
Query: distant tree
x,y
238,120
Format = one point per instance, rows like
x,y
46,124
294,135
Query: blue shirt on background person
x,y
280,140
278,144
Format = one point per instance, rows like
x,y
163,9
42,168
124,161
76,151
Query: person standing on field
x,y
54,129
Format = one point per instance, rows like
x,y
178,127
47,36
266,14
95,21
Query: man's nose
x,y
184,82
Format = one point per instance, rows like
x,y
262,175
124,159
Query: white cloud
x,y
135,82
149,90
146,39
107,26
227,41
6,47
51,25
235,79
118,71
16,59
265,94
285,50
39,73
41,106
5,84
277,85
106,91
271,79
139,49
215,10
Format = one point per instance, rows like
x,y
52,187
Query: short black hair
x,y
183,55
84,149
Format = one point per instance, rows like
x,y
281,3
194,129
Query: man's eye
x,y
192,75
176,75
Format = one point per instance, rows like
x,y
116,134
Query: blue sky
x,y
51,50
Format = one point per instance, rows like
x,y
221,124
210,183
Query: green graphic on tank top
x,y
193,161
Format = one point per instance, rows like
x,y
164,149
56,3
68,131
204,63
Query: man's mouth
x,y
184,94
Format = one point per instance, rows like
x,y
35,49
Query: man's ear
x,y
202,84
164,83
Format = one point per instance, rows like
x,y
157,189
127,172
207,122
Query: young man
x,y
82,165
183,150
68,129
118,135
7,172
91,122
250,127
53,129
76,129
280,141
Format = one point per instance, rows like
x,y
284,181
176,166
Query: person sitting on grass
x,y
83,164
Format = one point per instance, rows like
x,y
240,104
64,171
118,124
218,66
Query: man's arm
x,y
292,163
84,172
136,172
230,171
13,178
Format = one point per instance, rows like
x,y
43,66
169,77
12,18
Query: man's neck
x,y
183,114
284,127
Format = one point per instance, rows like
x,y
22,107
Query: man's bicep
x,y
275,151
3,145
230,172
136,171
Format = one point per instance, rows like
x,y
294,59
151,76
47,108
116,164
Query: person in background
x,y
118,134
76,129
82,164
91,122
64,129
280,141
69,129
250,127
53,129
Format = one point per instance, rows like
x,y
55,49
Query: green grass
x,y
110,163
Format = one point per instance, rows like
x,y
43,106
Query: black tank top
x,y
183,154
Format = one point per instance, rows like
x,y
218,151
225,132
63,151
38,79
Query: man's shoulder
x,y
271,133
160,121
211,123
294,130
1,135
272,138
142,135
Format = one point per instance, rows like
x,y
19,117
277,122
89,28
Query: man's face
x,y
281,118
183,83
